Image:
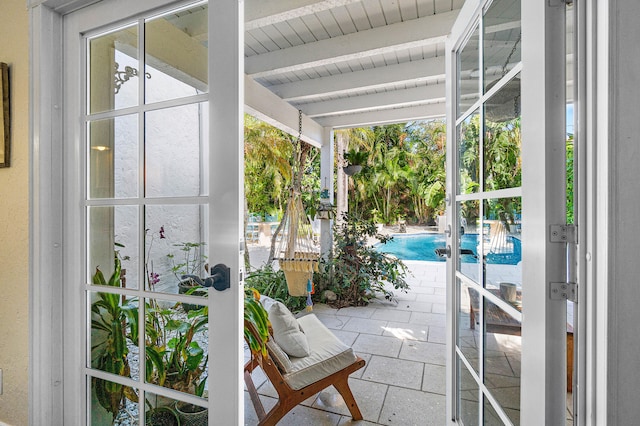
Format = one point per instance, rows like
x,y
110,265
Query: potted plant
x,y
355,160
178,359
190,261
162,416
175,357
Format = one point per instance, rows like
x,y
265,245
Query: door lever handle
x,y
219,278
443,252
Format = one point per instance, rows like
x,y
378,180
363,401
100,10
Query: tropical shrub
x,y
273,283
357,272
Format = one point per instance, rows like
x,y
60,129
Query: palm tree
x,y
426,175
268,172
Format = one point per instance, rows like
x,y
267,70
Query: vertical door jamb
x,y
544,195
45,230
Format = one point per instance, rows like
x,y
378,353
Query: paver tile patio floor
x,y
403,381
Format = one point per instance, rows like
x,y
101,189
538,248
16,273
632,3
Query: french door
x,y
152,193
506,214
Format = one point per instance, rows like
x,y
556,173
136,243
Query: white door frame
x,y
52,400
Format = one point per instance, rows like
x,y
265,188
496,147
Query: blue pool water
x,y
423,246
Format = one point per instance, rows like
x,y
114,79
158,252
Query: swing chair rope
x,y
297,253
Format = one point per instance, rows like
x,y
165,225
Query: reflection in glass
x,y
176,54
502,141
469,154
113,70
468,330
176,342
112,403
164,411
112,235
502,43
175,245
502,241
491,418
502,357
468,388
469,225
468,73
175,140
113,157
114,339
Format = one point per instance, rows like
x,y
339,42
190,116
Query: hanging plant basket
x,y
352,169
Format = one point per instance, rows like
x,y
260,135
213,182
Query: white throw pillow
x,y
287,332
266,302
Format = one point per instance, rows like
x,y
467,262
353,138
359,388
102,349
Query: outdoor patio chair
x,y
296,378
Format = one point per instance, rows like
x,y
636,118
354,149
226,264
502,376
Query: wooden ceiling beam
x,y
387,116
424,70
402,35
388,100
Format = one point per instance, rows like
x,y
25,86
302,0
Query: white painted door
x,y
153,155
506,192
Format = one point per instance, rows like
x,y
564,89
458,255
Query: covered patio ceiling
x,y
345,63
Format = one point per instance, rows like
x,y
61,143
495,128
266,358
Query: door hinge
x,y
563,234
563,291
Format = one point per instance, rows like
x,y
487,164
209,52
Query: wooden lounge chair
x,y
330,362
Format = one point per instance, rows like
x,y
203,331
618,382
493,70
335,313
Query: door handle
x,y
442,252
219,279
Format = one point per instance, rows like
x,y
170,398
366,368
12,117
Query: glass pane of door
x,y
147,218
488,199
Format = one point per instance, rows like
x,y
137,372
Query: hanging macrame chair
x,y
297,252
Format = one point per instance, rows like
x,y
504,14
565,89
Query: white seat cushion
x,y
327,355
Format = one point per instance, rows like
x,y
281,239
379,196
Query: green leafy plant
x,y
357,272
113,323
257,316
356,158
190,261
273,283
174,358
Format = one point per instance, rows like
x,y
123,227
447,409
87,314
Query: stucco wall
x,y
14,219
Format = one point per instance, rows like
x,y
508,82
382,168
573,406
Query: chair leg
x,y
277,412
253,394
343,387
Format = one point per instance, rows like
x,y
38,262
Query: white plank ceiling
x,y
348,63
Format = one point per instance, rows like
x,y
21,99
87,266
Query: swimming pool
x,y
423,246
